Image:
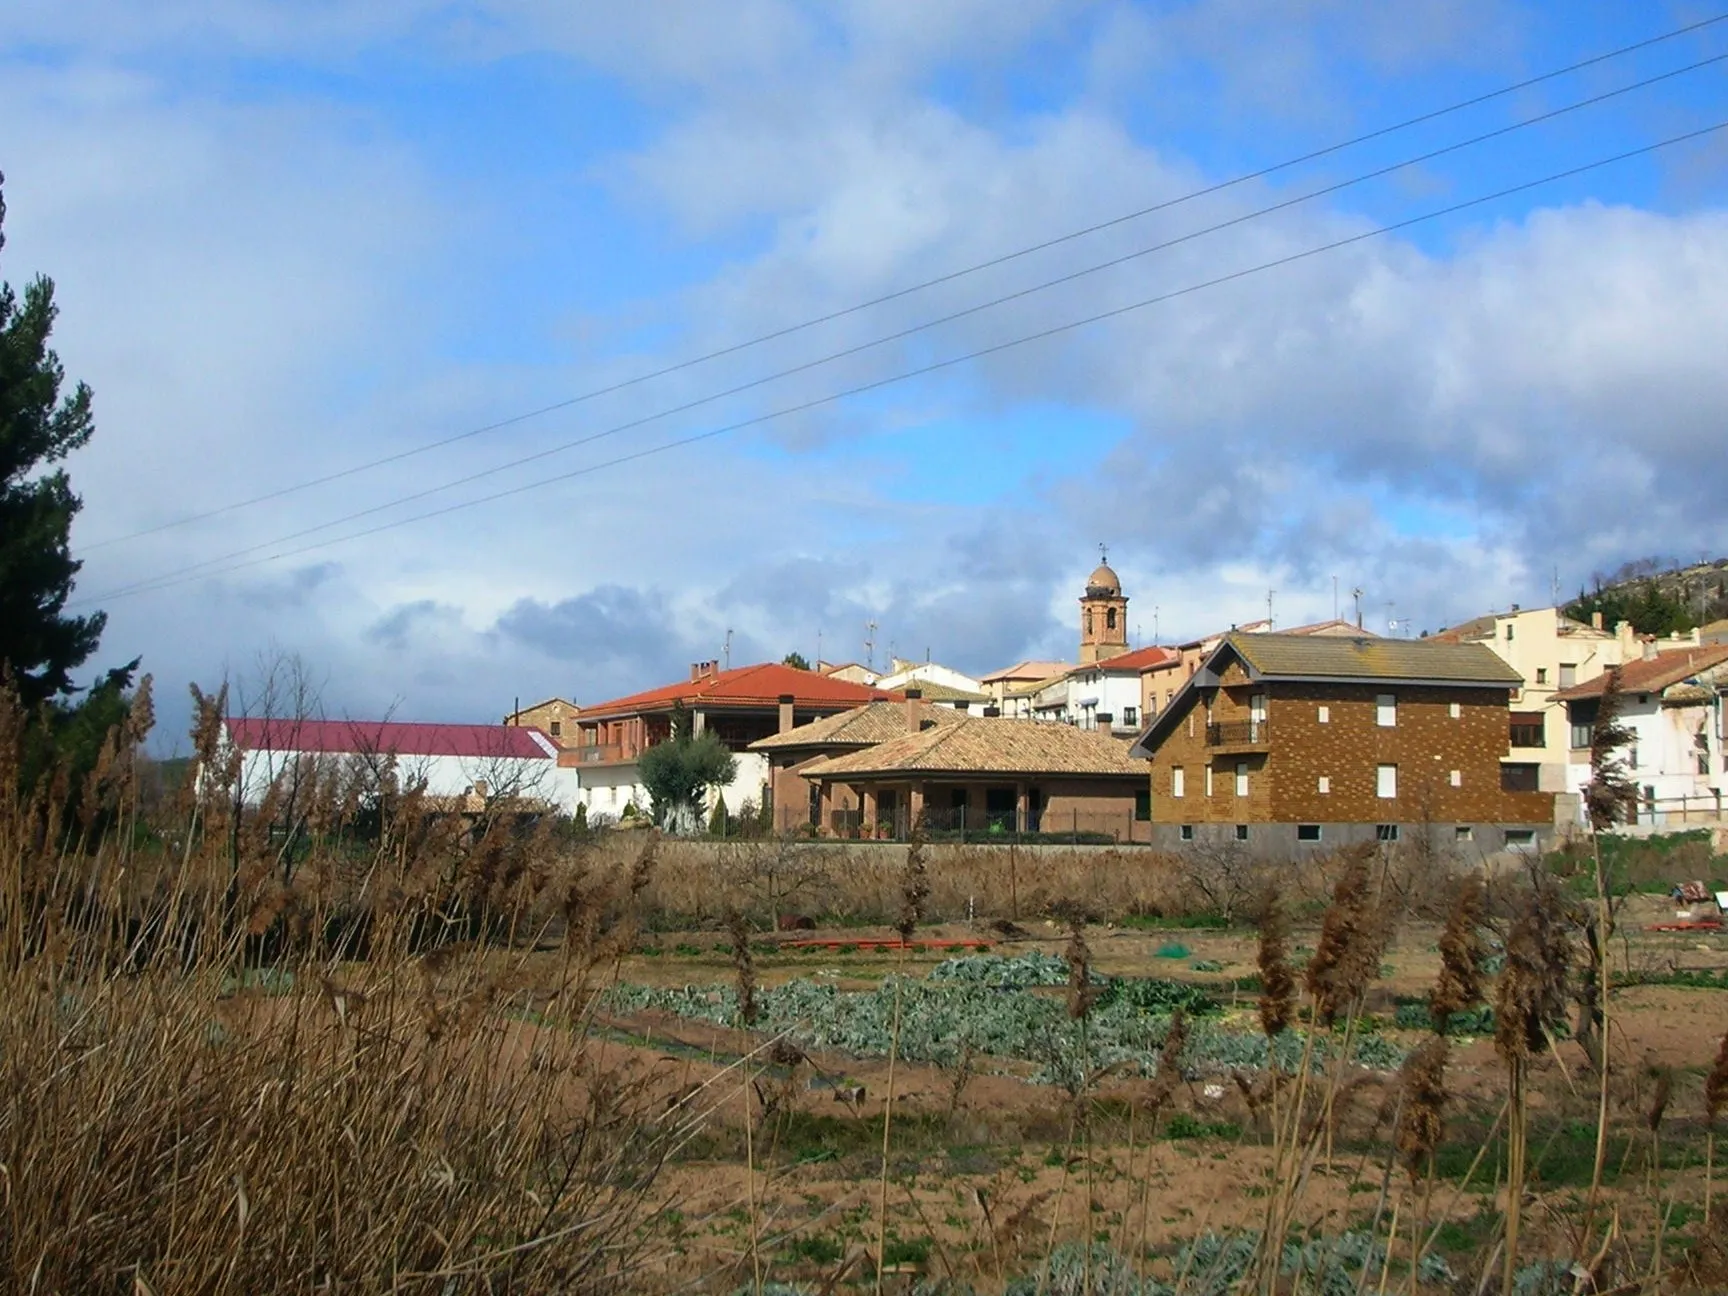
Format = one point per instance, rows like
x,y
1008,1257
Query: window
x,y
1518,778
1455,710
1386,710
1385,832
1517,838
1186,832
1241,778
556,729
1308,832
1325,714
1508,632
1632,756
1208,780
1143,806
1325,784
1088,621
1462,833
1456,778
1527,729
1241,832
1178,782
1131,716
1541,674
1386,781
1568,674
1583,717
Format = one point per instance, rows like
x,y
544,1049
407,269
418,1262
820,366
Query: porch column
x,y
915,806
1022,808
867,806
698,723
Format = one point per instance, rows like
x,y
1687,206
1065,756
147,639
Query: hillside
x,y
1658,596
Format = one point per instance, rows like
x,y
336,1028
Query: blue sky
x,y
290,239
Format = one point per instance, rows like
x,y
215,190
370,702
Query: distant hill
x,y
1657,595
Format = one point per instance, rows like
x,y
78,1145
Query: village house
x,y
738,706
1104,694
555,717
1554,653
937,683
1012,688
797,801
1282,741
964,775
458,766
1672,702
1160,678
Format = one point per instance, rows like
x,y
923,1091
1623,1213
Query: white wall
x,y
531,778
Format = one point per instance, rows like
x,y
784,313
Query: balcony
x,y
594,755
1239,735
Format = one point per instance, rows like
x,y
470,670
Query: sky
x,y
501,349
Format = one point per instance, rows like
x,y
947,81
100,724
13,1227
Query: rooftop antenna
x,y
727,651
1269,594
1357,595
818,647
870,644
1556,585
1334,598
1155,636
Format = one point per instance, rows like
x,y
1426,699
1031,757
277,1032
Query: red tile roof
x,y
397,738
746,686
1138,660
1652,674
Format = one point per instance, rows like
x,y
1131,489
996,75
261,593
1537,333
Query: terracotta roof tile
x,y
862,726
1652,674
745,686
1026,670
972,745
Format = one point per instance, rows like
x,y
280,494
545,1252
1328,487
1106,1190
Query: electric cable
x,y
924,326
908,290
923,370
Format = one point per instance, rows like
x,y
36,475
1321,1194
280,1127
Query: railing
x,y
974,826
1231,733
605,752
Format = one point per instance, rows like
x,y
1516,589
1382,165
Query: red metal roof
x,y
397,738
745,686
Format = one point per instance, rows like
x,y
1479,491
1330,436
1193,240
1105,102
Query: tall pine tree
x,y
40,644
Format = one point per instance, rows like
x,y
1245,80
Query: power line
x,y
908,290
1055,330
924,326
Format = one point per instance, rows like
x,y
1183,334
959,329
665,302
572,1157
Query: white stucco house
x,y
1673,703
1099,695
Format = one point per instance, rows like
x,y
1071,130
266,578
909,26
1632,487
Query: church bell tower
x,y
1103,614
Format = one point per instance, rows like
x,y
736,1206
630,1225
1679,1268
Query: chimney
x,y
1596,620
992,712
786,721
914,709
1649,646
703,670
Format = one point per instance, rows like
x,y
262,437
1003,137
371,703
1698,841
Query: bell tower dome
x,y
1103,614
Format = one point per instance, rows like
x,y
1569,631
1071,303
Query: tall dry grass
x,y
205,1090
